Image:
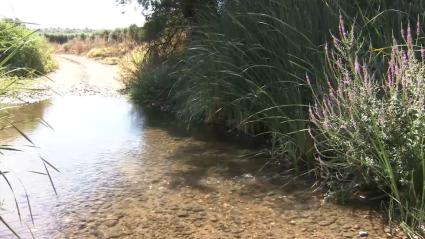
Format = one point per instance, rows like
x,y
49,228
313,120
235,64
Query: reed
x,y
20,49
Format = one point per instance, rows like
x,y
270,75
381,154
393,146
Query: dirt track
x,y
76,75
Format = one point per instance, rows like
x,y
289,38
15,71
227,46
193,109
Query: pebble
x,y
111,222
363,234
182,214
326,223
347,235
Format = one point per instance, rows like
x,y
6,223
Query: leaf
x,y
50,177
9,227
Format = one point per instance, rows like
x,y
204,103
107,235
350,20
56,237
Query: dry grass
x,y
130,65
109,52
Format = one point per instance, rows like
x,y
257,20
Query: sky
x,y
93,14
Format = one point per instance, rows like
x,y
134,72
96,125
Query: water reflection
x,y
130,173
88,140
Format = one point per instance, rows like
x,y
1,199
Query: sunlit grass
x,y
20,49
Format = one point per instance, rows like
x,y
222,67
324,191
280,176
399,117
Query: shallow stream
x,y
130,173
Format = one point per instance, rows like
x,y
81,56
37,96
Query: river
x,y
130,173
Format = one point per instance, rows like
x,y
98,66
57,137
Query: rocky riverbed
x,y
192,189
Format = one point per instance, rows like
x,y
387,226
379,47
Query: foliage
x,y
28,50
244,68
130,65
153,83
132,33
370,126
16,42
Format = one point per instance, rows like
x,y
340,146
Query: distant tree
x,y
169,22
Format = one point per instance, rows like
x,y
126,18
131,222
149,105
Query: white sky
x,y
94,14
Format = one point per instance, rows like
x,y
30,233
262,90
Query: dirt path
x,y
76,75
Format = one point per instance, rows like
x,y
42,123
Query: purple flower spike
x,y
422,53
409,36
390,80
357,67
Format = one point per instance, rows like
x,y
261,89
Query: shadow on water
x,y
229,157
216,152
120,159
208,133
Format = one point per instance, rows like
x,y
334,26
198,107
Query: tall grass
x,y
245,66
244,69
31,52
19,49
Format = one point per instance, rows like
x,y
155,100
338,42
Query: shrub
x,y
370,125
29,51
130,65
153,82
99,52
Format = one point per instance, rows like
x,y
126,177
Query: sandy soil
x,y
76,75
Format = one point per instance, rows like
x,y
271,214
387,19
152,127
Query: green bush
x,y
370,126
153,82
30,52
130,65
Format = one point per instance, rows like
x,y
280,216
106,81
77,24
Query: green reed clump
x,y
152,82
370,125
28,50
244,68
245,62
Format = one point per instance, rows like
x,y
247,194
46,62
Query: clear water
x,y
128,173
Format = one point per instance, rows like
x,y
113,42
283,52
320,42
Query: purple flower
x,y
390,80
422,53
409,36
357,67
397,70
